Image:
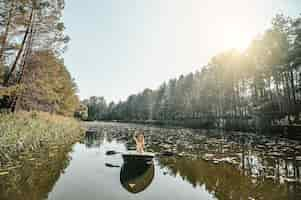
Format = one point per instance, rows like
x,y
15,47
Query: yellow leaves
x,y
49,86
12,90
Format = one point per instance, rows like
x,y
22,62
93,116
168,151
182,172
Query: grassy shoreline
x,y
24,133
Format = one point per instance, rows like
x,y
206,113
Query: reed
x,y
23,133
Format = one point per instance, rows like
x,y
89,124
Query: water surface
x,y
213,167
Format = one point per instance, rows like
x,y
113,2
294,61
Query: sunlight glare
x,y
233,23
235,37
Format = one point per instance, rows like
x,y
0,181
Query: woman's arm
x,y
134,137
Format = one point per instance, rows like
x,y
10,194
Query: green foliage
x,y
81,112
96,107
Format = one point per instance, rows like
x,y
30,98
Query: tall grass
x,y
32,131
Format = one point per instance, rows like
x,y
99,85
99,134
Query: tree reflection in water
x,y
94,140
227,182
37,177
278,168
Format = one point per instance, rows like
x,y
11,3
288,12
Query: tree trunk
x,y
14,66
293,85
3,43
15,103
289,104
27,52
278,96
293,106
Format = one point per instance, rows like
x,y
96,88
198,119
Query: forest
x,y
33,75
255,89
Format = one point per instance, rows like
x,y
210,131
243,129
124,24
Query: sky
x,y
121,47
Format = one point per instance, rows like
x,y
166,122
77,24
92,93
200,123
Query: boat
x,y
134,156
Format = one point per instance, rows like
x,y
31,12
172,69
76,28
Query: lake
x,y
189,164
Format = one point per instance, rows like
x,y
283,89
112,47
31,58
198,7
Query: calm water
x,y
84,171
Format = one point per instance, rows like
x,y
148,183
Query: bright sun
x,y
235,36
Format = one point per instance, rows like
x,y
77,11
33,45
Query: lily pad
x,y
4,173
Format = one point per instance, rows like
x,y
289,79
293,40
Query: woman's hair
x,y
140,132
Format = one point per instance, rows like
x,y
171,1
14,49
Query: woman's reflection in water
x,y
137,176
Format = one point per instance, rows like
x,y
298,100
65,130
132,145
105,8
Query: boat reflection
x,y
135,177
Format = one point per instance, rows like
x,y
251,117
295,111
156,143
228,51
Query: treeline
x,y
32,72
258,87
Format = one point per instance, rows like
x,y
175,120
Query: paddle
x,y
164,153
112,152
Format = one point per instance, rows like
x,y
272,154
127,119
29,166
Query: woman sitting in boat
x,y
139,139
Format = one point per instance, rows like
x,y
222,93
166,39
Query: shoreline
x,y
285,131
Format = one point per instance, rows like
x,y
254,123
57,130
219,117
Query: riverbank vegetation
x,y
24,133
37,92
257,88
